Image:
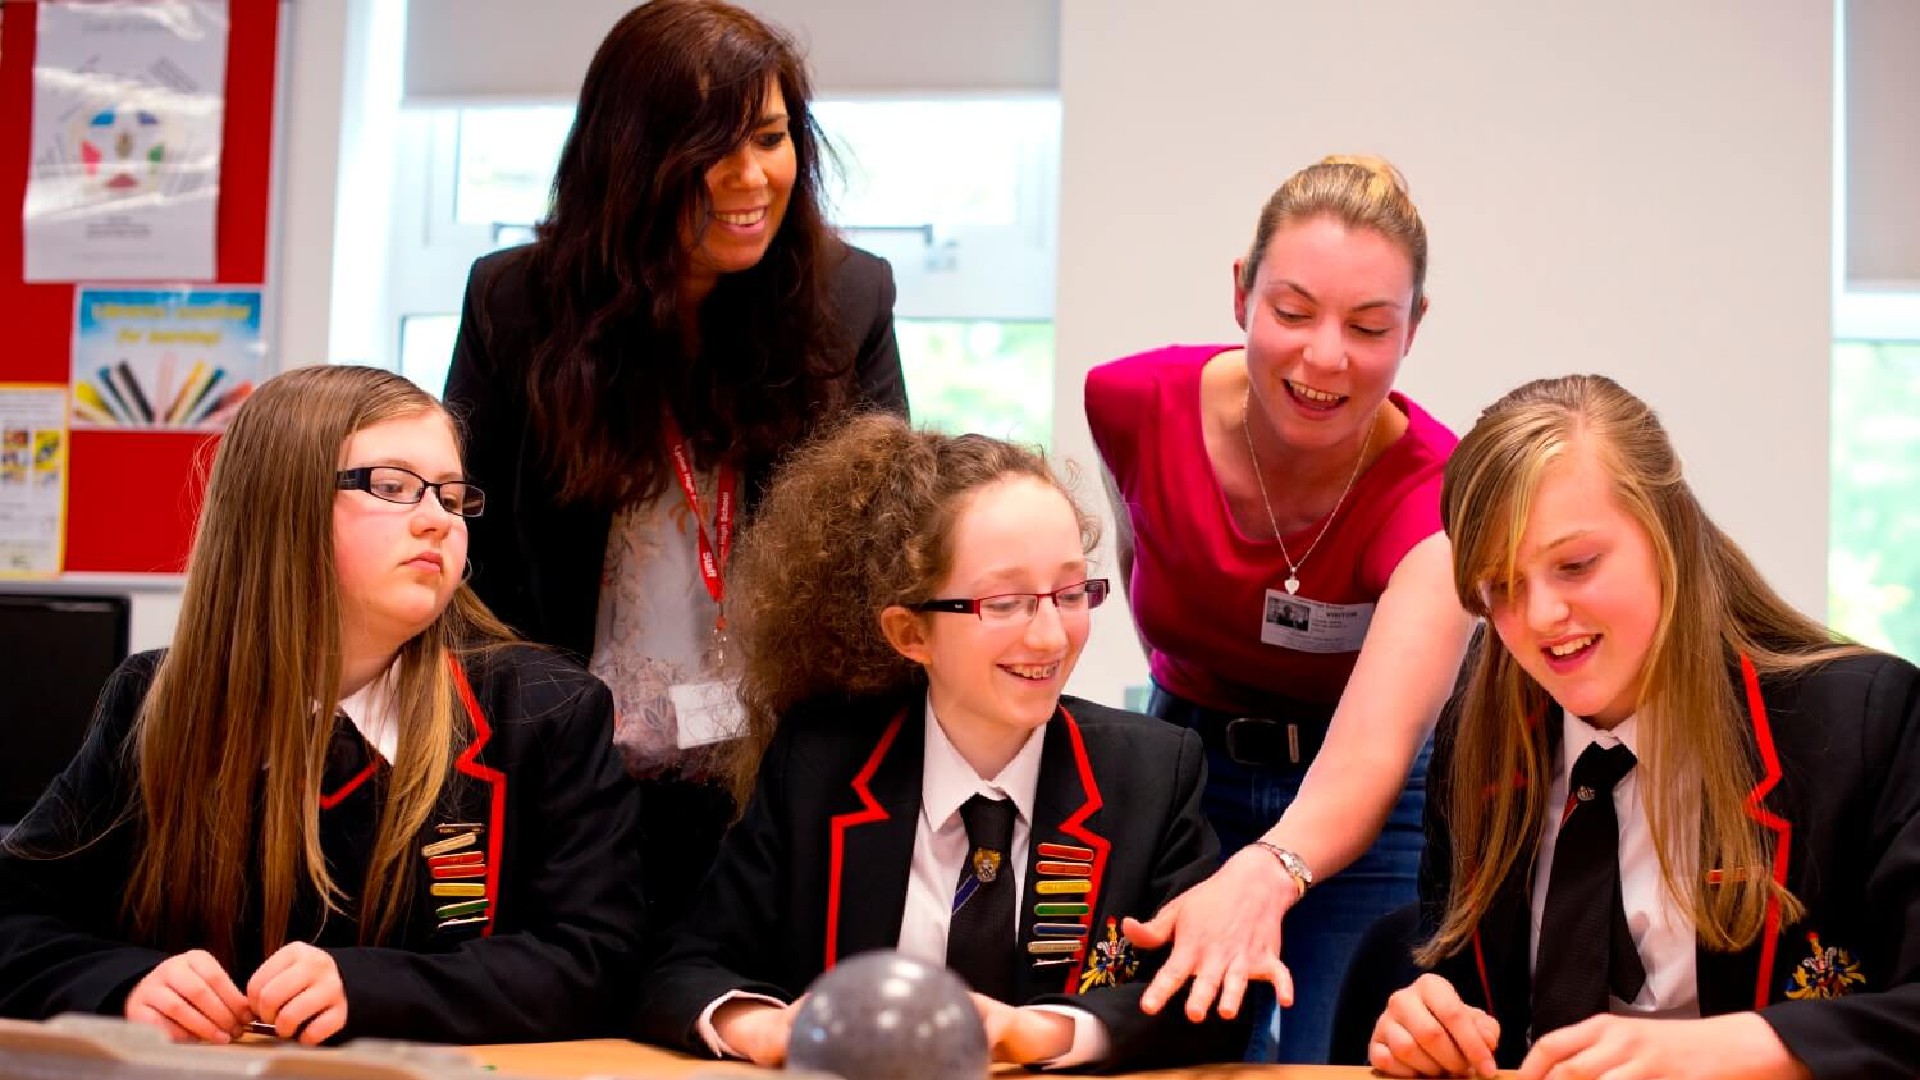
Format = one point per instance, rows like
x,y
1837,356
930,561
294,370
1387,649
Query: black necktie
x,y
980,936
1585,946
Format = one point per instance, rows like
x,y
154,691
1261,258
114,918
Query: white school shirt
x,y
370,710
940,849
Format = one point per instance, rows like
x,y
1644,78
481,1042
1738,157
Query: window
x,y
426,348
993,377
1873,576
504,174
960,196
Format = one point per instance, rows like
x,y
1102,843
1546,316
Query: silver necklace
x,y
1293,568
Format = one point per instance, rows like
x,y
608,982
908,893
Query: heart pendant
x,y
1293,585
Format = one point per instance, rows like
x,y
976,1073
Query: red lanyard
x,y
712,565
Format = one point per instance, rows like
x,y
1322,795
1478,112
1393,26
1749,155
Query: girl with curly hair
x,y
909,608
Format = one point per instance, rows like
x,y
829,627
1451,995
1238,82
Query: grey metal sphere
x,y
886,1016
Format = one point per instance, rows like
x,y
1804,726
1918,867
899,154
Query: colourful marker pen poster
x,y
164,359
33,479
128,101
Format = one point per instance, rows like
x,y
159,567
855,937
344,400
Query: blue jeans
x,y
1242,802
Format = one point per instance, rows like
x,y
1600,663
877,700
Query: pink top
x,y
1199,587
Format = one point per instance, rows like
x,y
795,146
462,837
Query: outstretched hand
x,y
1225,933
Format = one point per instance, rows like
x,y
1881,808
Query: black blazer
x,y
817,869
535,563
557,940
1839,755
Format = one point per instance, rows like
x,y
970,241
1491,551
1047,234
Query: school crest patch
x,y
1827,972
1113,961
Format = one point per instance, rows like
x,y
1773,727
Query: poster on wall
x,y
124,172
33,479
180,359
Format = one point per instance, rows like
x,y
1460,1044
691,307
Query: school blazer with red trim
x,y
1838,751
556,939
816,870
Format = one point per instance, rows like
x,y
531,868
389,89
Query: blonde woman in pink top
x,y
1279,537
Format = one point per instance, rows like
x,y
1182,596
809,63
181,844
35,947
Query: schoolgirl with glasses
x,y
343,803
907,609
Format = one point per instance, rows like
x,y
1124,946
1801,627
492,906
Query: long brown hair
x,y
1698,754
236,726
855,522
676,86
1358,190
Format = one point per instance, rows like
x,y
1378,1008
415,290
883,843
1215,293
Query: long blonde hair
x,y
1698,756
233,735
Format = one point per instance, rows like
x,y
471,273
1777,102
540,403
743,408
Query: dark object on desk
x,y
885,1016
55,654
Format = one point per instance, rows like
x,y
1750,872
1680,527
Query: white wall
x,y
1883,143
1639,188
468,49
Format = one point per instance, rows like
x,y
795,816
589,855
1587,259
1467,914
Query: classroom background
x,y
1711,201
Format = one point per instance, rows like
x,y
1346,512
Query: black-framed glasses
x,y
1021,606
406,487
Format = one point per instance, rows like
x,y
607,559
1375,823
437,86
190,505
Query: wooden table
x,y
618,1057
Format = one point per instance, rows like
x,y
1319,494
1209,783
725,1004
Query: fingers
x,y
217,997
1587,1061
296,989
300,1018
1380,1055
994,1016
1489,1029
1233,987
1282,980
1394,1050
1170,978
1553,1052
1206,984
167,1002
189,996
151,1017
1153,933
282,959
1461,1041
1429,1030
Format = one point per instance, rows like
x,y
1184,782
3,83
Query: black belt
x,y
1286,741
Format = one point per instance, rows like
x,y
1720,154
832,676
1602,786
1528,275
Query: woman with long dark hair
x,y
683,317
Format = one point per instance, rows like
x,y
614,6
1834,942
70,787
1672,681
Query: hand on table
x,y
1225,933
298,991
1738,1045
1428,1031
190,997
756,1030
1023,1036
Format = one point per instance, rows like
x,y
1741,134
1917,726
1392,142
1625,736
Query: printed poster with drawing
x,y
33,479
164,359
128,101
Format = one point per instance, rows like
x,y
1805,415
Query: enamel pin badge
x,y
457,872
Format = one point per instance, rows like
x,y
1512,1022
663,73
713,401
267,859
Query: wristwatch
x,y
1295,866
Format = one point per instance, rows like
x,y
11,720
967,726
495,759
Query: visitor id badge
x,y
707,712
1310,626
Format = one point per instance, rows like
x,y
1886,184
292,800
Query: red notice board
x,y
132,496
